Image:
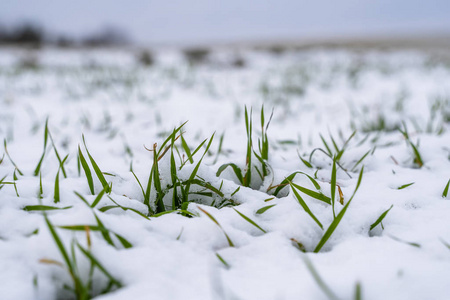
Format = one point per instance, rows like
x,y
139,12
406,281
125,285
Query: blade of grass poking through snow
x,y
38,167
358,291
404,242
82,198
360,160
193,153
125,243
236,169
330,153
305,162
173,174
56,196
95,262
87,171
154,178
78,285
41,190
57,155
104,231
405,186
445,192
312,194
124,208
417,157
288,179
230,243
15,184
263,144
248,125
264,209
219,149
223,261
305,206
380,218
323,286
323,151
339,217
333,186
249,220
43,207
10,159
97,170
194,172
157,182
186,149
98,198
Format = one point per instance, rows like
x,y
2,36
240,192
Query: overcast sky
x,y
183,21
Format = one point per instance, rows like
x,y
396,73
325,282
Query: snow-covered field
x,y
104,218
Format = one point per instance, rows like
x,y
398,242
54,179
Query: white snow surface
x,y
118,104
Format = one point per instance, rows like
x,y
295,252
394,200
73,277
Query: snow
x,y
118,104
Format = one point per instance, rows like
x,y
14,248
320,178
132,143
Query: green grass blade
x,y
230,243
405,186
98,198
380,218
219,149
87,171
305,206
56,196
10,159
139,183
445,192
236,169
237,190
312,194
41,190
360,160
323,286
125,243
305,162
82,198
358,291
60,246
58,156
38,167
264,209
186,149
338,218
333,185
43,207
95,262
104,231
223,261
249,220
330,153
97,170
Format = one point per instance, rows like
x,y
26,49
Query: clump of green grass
x,y
245,176
180,187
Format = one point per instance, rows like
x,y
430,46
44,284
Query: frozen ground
x,y
119,246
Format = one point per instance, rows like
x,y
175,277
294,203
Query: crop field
x,y
234,174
